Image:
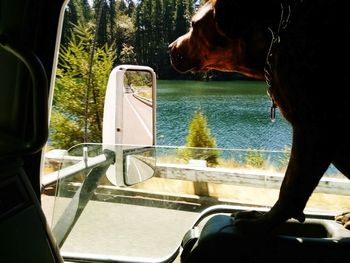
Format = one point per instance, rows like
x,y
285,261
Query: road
x,y
137,121
111,229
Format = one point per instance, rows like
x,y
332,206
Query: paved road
x,y
113,229
137,121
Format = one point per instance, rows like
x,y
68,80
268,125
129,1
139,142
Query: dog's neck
x,y
287,9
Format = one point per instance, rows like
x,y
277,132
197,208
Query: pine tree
x,y
71,18
169,22
131,8
86,11
112,12
181,18
101,20
200,142
159,46
68,113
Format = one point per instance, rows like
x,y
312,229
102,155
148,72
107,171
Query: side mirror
x,y
129,120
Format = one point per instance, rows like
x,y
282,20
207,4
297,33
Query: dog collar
x,y
286,10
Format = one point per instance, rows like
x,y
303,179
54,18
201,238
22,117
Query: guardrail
x,y
241,177
194,173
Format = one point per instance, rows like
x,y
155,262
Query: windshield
x,y
94,217
138,152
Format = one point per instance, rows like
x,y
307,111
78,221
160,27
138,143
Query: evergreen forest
x,y
139,31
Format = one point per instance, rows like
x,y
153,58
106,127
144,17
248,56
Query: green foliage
x,y
145,27
68,113
158,23
124,40
200,142
127,55
182,17
77,11
255,158
138,79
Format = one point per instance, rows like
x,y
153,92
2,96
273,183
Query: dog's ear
x,y
236,18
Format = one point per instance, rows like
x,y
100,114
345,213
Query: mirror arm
x,y
79,201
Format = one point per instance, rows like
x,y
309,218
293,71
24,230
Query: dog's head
x,y
224,36
241,18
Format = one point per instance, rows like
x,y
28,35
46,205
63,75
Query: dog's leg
x,y
310,158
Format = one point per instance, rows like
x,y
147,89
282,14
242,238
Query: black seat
x,y
313,241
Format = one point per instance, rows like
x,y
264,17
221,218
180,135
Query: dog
x,y
300,48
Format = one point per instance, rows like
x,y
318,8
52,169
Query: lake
x,y
238,114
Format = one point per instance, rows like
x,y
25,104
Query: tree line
x,y
139,31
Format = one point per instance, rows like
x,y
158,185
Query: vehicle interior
x,y
28,43
127,199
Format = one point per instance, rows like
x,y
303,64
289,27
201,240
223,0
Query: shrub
x,y
255,158
200,142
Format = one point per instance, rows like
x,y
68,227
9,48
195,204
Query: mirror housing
x,y
129,120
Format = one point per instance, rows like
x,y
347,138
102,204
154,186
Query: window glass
x,y
212,140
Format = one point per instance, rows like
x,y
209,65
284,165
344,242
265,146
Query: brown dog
x,y
302,46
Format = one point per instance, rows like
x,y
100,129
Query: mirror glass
x,y
138,125
139,164
138,120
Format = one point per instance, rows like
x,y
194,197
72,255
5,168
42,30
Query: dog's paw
x,y
344,219
247,215
258,223
253,223
300,217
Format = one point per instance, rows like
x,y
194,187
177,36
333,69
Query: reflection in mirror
x,y
137,126
139,164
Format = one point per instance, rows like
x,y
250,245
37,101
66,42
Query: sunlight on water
x,y
238,114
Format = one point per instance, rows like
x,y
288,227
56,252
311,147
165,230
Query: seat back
x,y
27,45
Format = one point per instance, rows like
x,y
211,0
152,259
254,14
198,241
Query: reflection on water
x,y
238,114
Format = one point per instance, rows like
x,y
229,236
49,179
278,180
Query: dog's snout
x,y
178,53
171,45
176,56
175,52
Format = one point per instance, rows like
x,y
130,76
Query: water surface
x,y
238,114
